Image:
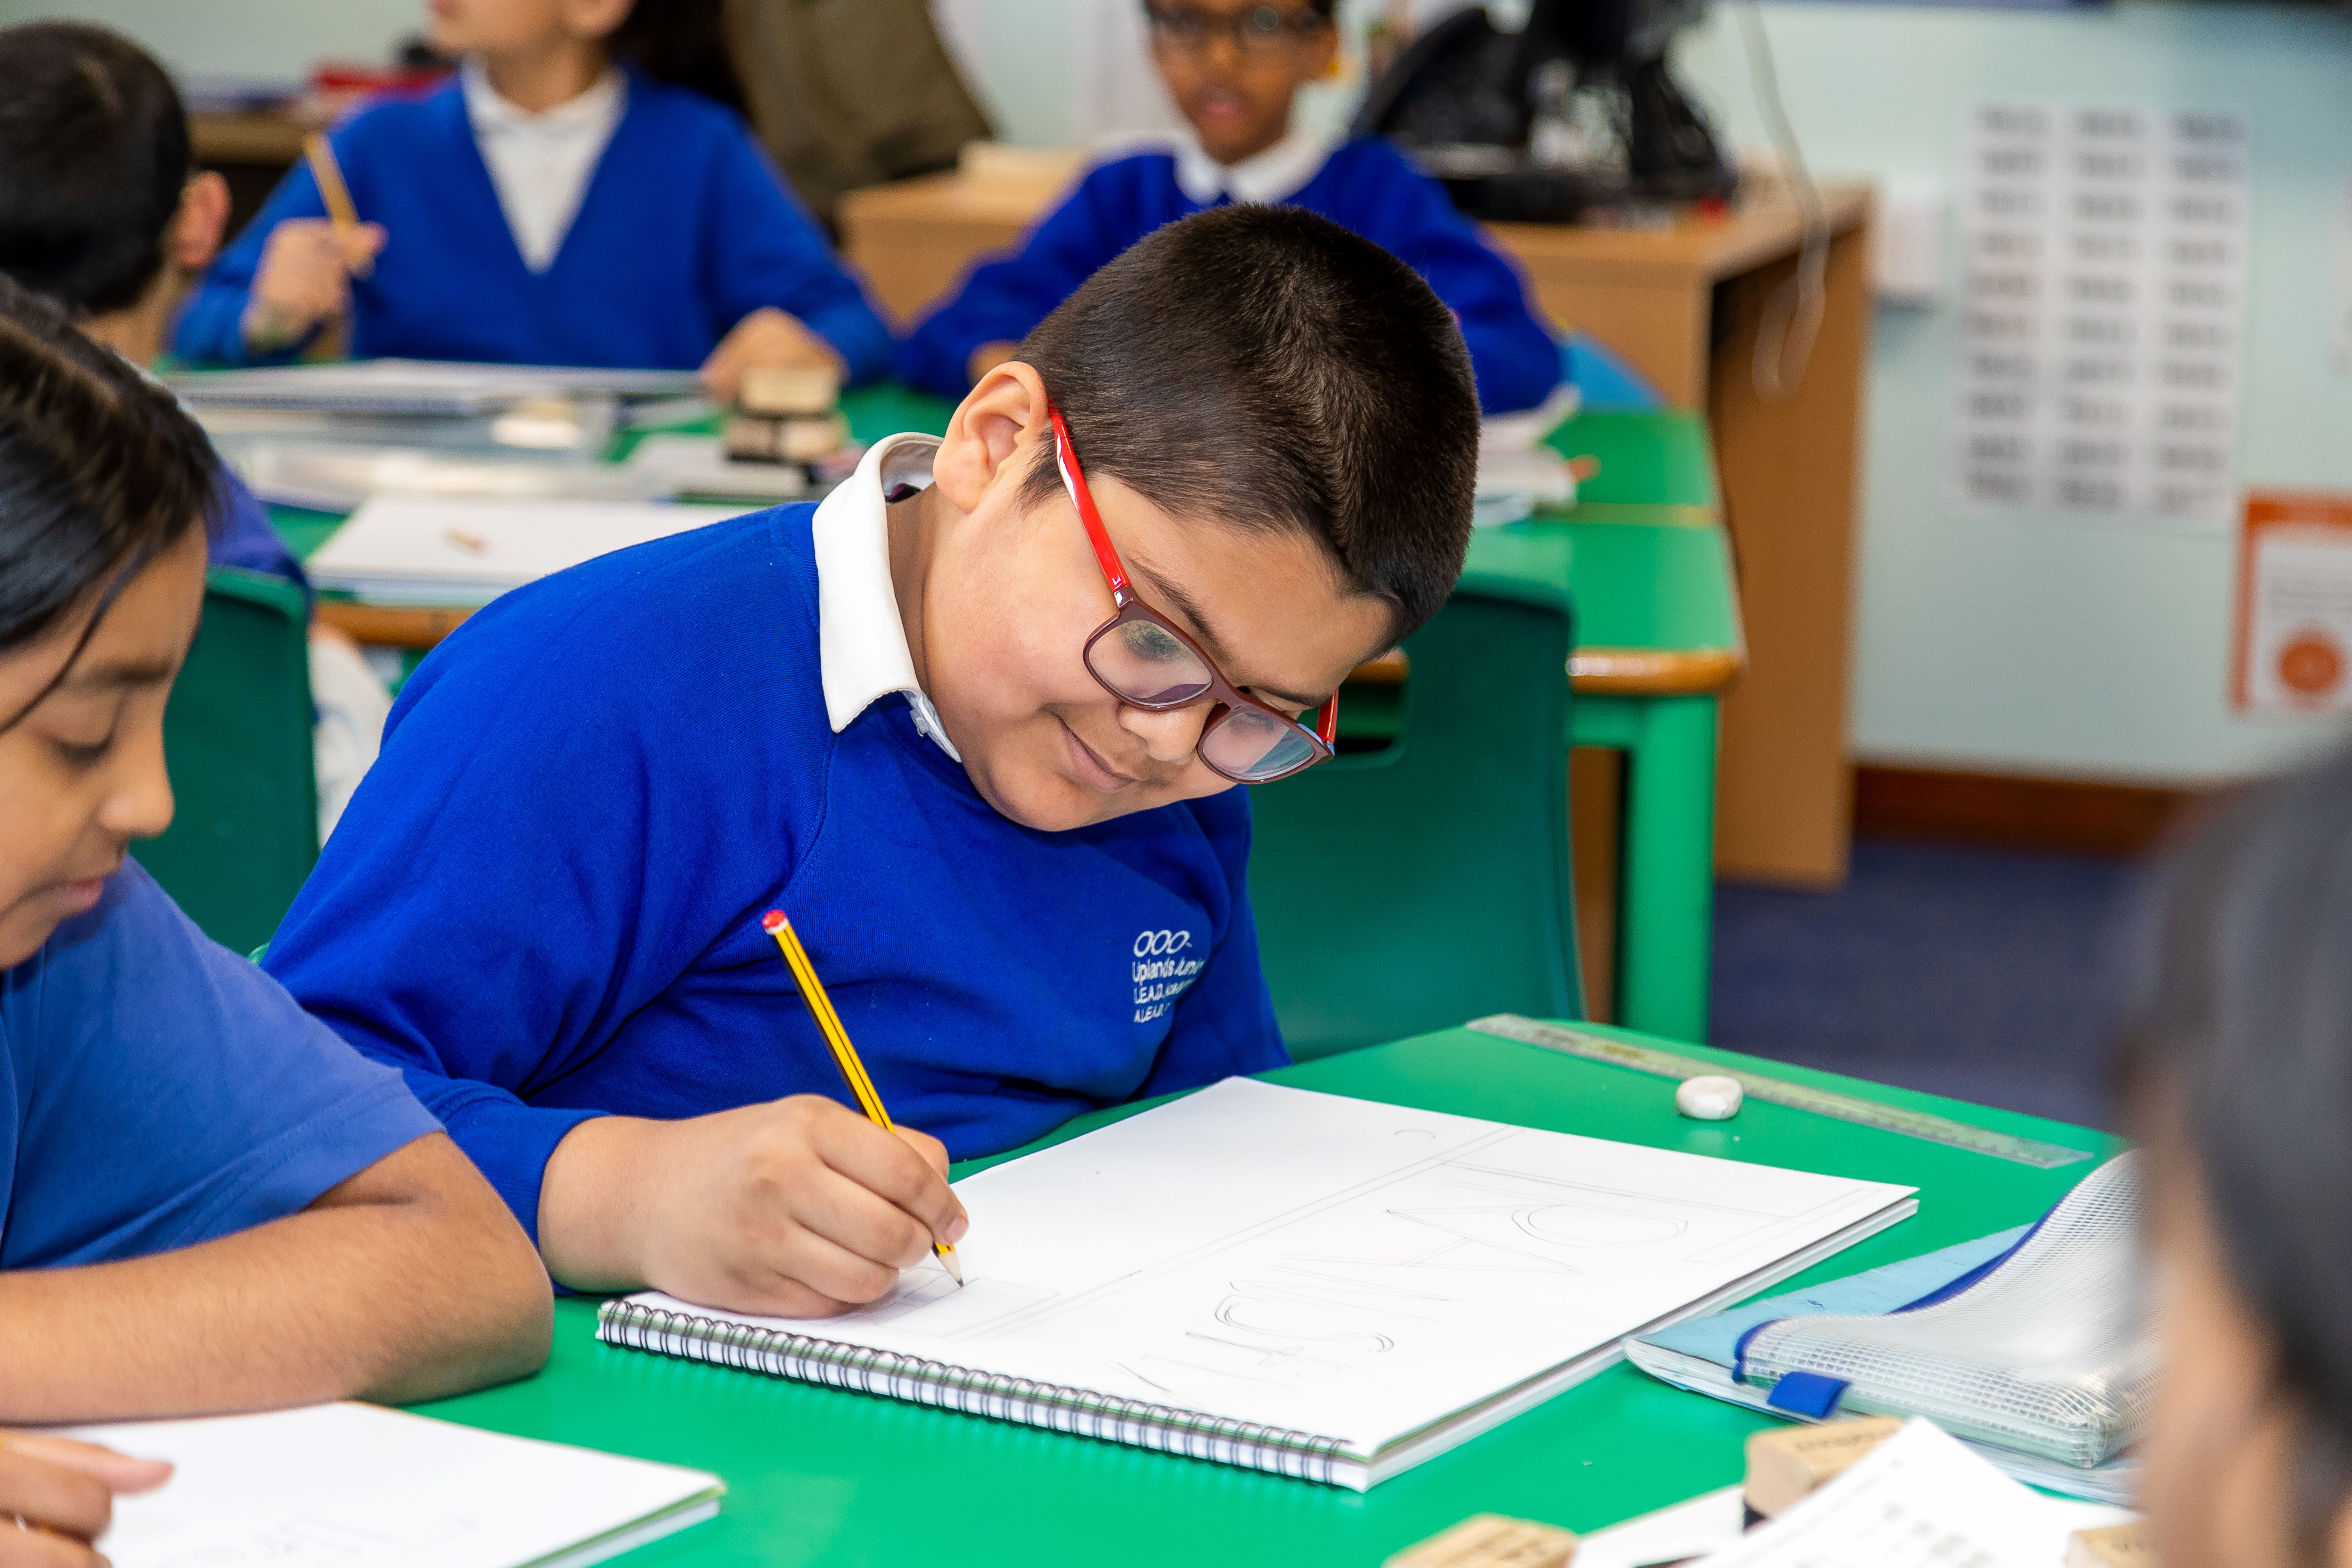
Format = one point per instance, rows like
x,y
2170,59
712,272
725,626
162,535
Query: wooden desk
x,y
1682,304
823,1476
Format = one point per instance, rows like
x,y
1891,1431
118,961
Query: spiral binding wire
x,y
2050,1353
779,1352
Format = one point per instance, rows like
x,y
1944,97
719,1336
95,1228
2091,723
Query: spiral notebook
x,y
1324,1288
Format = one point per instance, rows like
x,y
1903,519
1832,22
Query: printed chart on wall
x,y
2103,307
2293,647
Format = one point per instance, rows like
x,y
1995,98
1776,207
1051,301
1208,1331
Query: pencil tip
x,y
949,1261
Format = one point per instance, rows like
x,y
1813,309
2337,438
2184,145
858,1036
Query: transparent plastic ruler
x,y
1780,1091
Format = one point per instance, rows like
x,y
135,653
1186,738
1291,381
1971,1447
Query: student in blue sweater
x,y
1232,67
564,201
974,722
207,1201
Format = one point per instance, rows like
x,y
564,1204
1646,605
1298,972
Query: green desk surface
x,y
1651,459
821,1475
1635,585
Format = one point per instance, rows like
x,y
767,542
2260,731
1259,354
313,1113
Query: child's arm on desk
x,y
407,1281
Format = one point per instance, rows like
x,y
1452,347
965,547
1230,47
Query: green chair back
x,y
1425,884
236,737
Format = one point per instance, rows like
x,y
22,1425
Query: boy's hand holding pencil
x,y
797,1208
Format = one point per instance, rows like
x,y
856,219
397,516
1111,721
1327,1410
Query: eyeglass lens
x,y
1262,28
1252,746
1141,661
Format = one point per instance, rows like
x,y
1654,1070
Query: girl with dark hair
x,y
585,193
2238,1034
211,1201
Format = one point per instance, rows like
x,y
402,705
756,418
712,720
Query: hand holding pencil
x,y
306,264
836,1037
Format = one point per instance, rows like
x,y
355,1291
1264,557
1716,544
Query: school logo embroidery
x,y
1163,967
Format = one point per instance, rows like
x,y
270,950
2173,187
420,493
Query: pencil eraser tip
x,y
770,922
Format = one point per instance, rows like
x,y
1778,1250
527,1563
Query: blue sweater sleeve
x,y
1002,300
211,329
1516,361
767,251
1224,1024
504,892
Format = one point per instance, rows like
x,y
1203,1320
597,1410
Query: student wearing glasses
x,y
1233,66
974,723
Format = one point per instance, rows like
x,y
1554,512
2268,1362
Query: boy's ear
x,y
990,433
195,237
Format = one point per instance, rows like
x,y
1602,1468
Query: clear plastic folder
x,y
2050,1352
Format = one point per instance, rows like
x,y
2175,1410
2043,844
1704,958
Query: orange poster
x,y
2294,604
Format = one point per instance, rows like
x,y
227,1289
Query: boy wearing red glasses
x,y
1232,68
974,722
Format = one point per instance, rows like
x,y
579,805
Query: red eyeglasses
x,y
1139,657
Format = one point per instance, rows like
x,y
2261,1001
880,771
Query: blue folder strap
x,y
1953,1288
1807,1394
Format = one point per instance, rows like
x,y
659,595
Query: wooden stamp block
x,y
1787,1463
2116,1546
779,390
1491,1540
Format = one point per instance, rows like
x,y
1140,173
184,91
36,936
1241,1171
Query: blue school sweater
x,y
1365,185
544,900
685,229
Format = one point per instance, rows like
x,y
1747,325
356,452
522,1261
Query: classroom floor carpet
x,y
1970,972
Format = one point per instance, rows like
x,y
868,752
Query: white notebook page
x,y
1332,1265
354,1486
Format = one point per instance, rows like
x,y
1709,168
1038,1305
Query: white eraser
x,y
1709,1099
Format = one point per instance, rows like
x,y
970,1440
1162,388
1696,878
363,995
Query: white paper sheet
x,y
434,550
352,1486
1920,1500
1333,1266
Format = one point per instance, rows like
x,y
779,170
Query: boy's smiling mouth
x,y
1089,765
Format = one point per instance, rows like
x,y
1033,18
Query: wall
x,y
2049,647
267,39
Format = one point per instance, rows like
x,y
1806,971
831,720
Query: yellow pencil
x,y
845,1055
336,195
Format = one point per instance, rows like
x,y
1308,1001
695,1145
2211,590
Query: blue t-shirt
x,y
544,901
156,1091
243,535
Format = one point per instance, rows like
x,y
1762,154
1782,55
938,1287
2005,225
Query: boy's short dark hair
x,y
93,158
1265,367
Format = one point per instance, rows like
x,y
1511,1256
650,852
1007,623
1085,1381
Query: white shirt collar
x,y
1274,175
861,642
489,110
540,164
